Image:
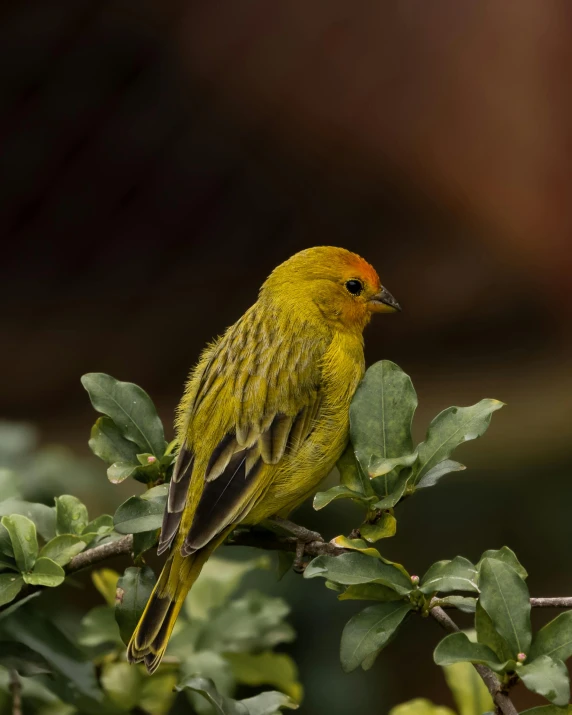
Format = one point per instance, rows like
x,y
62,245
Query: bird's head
x,y
343,287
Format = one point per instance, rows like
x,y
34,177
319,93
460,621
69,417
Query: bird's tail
x,y
151,636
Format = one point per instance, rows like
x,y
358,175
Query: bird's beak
x,y
384,302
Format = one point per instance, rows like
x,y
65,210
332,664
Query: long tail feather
x,y
151,636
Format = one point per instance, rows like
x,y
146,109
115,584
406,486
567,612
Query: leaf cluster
x,y
381,466
220,641
37,541
228,641
505,641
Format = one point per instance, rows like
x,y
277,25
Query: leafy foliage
x,y
380,466
469,693
223,639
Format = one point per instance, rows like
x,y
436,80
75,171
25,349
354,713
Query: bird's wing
x,y
273,389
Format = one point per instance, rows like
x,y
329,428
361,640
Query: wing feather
x,y
271,390
221,500
177,499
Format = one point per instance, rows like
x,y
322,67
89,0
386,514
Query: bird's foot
x,y
302,535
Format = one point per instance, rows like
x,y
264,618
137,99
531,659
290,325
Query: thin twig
x,y
16,692
94,556
557,602
500,698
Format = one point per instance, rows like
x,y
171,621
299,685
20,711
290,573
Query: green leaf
x,y
221,705
504,596
105,581
461,603
206,664
10,586
487,635
469,692
456,575
44,517
46,573
322,499
142,513
130,408
369,592
381,413
24,541
133,591
333,586
101,525
384,528
554,639
269,703
5,543
63,548
507,556
368,632
158,693
219,579
71,515
439,470
7,563
253,622
122,683
420,706
356,545
18,657
457,648
38,632
267,668
120,471
398,490
108,443
383,466
448,430
547,677
99,528
356,568
99,627
351,475
143,541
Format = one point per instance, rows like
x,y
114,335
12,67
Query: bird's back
x,y
275,388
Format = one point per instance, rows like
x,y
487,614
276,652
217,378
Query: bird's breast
x,y
299,473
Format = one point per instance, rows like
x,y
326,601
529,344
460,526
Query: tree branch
x,y
312,542
94,556
558,602
500,698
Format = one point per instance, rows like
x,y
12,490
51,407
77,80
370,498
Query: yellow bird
x,y
264,418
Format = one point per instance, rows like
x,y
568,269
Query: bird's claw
x,y
301,534
298,566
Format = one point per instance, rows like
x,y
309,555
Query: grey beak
x,y
386,298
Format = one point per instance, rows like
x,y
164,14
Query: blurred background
x,y
158,159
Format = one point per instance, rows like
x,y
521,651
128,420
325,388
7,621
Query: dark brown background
x,y
157,160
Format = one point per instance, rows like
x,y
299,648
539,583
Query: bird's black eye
x,y
355,287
